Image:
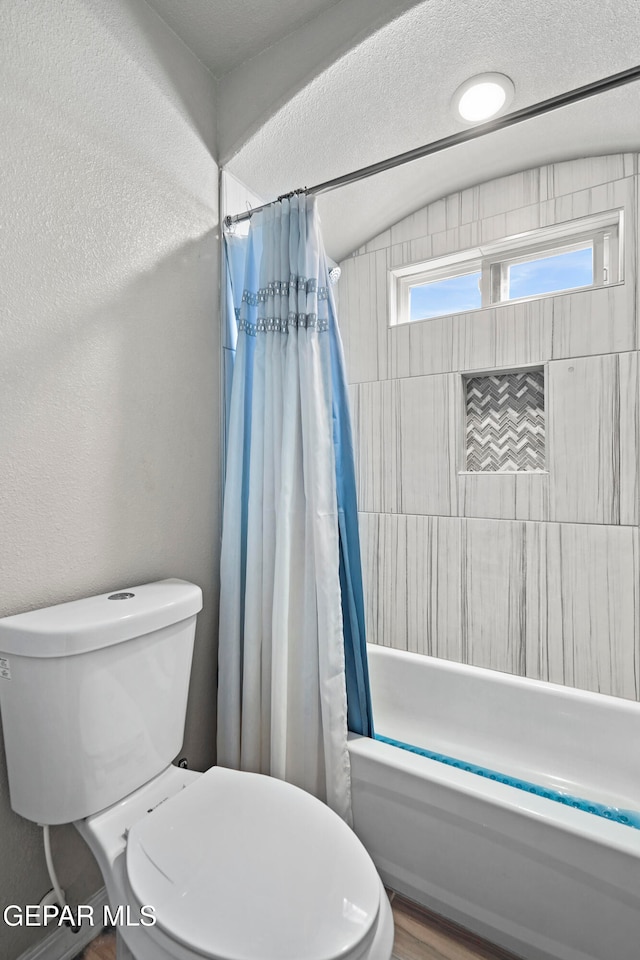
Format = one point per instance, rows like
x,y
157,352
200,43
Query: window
x,y
570,256
549,273
436,298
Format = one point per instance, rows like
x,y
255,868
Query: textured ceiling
x,y
392,93
341,93
225,33
354,214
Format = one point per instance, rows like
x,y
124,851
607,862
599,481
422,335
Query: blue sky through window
x,y
441,297
562,271
546,274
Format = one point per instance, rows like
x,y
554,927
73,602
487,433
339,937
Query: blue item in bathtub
x,y
629,818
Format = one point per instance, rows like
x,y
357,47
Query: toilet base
x,y
122,950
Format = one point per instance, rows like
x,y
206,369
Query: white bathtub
x,y
543,880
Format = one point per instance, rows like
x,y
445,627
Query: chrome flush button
x,y
121,596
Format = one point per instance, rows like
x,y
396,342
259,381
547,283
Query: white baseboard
x,y
63,944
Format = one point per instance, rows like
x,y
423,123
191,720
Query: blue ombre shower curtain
x,y
292,653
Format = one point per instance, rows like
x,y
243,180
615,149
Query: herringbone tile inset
x,y
505,422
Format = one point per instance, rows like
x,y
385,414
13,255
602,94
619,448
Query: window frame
x,y
433,276
603,231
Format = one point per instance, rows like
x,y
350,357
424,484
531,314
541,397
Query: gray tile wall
x,y
533,573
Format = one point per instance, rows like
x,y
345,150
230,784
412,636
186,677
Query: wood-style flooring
x,y
102,948
420,935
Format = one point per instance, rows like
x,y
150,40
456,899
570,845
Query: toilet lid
x,y
240,866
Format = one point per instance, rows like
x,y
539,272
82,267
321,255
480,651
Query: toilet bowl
x,y
238,866
229,865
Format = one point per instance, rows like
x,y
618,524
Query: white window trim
x,y
493,260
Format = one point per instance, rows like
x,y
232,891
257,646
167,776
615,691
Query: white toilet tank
x,y
93,695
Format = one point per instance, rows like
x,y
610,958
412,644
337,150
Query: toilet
x,y
224,865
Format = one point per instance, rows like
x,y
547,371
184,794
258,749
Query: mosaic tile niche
x,y
505,422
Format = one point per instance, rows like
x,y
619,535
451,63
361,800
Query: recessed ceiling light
x,y
482,97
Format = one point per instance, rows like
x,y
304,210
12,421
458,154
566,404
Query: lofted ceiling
x,y
225,33
381,84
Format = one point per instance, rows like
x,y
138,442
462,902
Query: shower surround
x,y
534,572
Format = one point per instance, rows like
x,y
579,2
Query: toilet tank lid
x,y
76,627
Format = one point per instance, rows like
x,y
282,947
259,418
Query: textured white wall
x,y
109,343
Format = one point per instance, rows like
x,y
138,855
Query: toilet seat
x,y
240,866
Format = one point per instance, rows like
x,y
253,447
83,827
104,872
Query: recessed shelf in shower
x,y
505,422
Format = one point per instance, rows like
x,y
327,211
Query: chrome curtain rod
x,y
508,120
